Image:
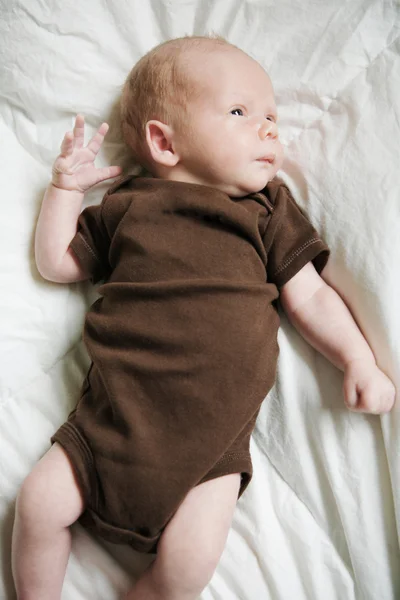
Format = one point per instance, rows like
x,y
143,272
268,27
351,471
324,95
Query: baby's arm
x,y
73,173
324,320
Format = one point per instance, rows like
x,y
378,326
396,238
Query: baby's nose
x,y
268,129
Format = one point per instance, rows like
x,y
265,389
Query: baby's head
x,y
200,110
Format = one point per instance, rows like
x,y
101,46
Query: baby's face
x,y
231,139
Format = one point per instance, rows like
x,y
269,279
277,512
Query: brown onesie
x,y
183,343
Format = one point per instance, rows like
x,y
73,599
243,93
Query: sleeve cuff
x,y
87,257
313,250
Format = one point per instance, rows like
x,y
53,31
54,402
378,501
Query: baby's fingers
x,y
79,131
73,139
108,173
67,145
98,138
374,398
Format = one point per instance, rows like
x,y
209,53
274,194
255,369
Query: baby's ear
x,y
159,137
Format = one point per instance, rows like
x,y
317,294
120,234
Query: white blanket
x,y
318,521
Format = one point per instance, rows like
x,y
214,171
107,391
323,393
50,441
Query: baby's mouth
x,y
270,159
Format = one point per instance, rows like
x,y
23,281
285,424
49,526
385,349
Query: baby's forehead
x,y
223,57
226,73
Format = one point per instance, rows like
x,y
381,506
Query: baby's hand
x,y
74,168
366,388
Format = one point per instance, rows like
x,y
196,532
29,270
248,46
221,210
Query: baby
x,y
183,339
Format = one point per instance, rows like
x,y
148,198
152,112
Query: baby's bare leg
x,y
192,543
48,502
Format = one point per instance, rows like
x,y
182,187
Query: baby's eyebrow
x,y
239,98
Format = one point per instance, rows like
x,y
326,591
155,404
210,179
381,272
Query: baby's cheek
x,y
231,155
280,156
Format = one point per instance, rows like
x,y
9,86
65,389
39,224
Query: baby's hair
x,y
159,87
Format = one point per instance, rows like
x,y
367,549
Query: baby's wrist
x,y
367,361
69,190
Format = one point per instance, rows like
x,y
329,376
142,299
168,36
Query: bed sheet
x,y
320,518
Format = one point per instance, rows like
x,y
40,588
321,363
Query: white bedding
x,y
318,521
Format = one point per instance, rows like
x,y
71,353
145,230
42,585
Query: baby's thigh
x,y
50,492
198,530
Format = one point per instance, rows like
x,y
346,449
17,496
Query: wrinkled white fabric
x,y
319,518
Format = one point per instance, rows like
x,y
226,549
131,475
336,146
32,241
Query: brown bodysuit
x,y
183,342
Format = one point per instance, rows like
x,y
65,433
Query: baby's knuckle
x,y
367,401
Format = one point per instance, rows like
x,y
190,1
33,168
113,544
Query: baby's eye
x,y
269,118
237,111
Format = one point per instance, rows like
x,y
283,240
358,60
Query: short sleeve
x,y
91,243
96,229
290,239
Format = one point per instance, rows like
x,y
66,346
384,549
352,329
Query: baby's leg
x,y
192,543
48,502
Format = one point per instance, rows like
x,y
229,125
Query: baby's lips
x,y
268,158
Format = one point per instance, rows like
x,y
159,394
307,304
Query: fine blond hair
x,y
159,87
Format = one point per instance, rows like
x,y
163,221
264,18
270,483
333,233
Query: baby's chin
x,y
252,186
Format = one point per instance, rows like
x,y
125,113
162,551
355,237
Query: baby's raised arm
x,y
73,174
